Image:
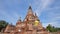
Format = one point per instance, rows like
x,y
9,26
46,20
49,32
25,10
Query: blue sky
x,y
48,11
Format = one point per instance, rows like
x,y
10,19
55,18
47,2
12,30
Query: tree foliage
x,y
51,28
3,24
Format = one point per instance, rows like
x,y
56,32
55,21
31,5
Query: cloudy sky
x,y
48,11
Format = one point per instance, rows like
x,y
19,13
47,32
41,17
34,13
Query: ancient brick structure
x,y
30,25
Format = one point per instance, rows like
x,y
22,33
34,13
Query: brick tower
x,y
30,25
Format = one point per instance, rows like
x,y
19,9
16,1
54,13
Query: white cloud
x,y
10,17
53,18
41,5
53,8
55,24
7,16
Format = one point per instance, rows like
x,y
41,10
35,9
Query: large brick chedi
x,y
30,25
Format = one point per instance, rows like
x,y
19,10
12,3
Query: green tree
x,y
3,24
51,28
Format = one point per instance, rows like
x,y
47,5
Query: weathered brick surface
x,y
30,25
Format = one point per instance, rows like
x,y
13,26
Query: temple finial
x,y
30,6
35,14
19,19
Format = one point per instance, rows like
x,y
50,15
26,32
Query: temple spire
x,y
19,21
30,10
30,6
35,14
36,17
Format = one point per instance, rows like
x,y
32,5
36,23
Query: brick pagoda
x,y
30,25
